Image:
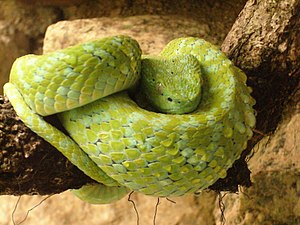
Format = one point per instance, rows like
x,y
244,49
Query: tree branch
x,y
264,42
30,165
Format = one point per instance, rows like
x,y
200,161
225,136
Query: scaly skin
x,y
165,89
127,147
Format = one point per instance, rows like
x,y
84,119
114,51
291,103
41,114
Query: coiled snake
x,y
200,120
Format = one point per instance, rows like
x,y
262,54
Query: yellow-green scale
x,y
164,155
153,153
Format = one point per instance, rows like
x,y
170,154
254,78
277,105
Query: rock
x,y
13,44
152,32
28,19
52,2
21,28
66,209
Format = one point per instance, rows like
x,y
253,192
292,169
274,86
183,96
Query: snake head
x,y
172,85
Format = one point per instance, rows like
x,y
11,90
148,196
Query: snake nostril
x,y
170,99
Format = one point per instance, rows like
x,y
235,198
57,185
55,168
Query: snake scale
x,y
200,119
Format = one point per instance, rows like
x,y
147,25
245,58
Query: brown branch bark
x,y
29,164
264,42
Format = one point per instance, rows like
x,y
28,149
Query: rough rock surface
x,y
12,45
21,29
152,32
67,209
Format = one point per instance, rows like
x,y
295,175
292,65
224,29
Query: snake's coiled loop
x,y
135,149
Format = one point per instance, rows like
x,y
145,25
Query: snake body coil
x,y
126,147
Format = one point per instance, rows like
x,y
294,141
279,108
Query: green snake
x,y
198,123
